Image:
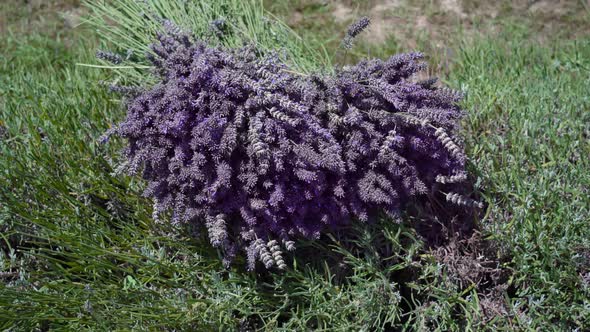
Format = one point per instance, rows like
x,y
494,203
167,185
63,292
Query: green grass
x,y
83,252
528,137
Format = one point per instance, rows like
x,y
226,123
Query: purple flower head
x,y
354,30
109,57
358,26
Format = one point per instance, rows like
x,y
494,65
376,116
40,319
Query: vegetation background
x,y
79,249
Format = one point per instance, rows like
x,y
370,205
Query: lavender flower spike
x,y
109,57
358,26
354,30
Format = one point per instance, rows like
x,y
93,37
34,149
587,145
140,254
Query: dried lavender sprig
x,y
452,178
463,200
357,27
122,89
448,143
354,30
265,255
276,253
217,230
289,245
109,57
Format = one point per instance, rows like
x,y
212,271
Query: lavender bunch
x,y
235,141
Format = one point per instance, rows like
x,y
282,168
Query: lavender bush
x,y
260,155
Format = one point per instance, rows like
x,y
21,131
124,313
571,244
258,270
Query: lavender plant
x,y
260,155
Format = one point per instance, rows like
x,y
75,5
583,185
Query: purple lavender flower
x,y
358,26
109,57
354,30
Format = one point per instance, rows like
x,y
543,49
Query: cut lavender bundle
x,y
256,154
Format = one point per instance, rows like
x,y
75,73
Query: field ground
x,y
79,249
